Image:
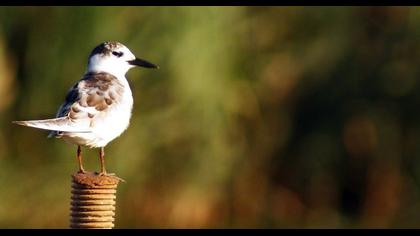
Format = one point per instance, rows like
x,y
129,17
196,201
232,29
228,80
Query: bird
x,y
98,107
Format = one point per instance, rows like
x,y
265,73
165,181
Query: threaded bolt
x,y
93,201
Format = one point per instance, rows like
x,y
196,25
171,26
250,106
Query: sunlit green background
x,y
259,117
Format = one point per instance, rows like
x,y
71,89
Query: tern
x,y
97,109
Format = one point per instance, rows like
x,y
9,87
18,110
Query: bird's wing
x,y
88,99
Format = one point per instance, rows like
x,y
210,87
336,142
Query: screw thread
x,y
93,201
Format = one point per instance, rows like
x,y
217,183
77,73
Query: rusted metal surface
x,y
93,201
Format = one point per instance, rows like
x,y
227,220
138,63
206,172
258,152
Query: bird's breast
x,y
114,121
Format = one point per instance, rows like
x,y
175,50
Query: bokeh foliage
x,y
270,117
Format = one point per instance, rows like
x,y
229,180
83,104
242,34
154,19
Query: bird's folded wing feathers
x,y
91,98
87,100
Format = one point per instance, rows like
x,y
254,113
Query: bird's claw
x,y
105,174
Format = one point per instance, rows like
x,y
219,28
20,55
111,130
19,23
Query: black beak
x,y
142,63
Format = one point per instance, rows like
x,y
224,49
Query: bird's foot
x,y
105,174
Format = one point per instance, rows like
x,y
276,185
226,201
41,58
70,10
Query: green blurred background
x,y
259,117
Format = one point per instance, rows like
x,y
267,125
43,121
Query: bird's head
x,y
114,58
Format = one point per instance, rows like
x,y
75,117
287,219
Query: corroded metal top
x,y
93,180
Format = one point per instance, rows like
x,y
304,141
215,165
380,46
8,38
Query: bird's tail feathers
x,y
57,124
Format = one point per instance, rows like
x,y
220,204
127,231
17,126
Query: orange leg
x,y
79,158
101,157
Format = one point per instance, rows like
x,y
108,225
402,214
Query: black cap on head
x,y
105,48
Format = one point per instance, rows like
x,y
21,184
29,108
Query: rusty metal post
x,y
93,201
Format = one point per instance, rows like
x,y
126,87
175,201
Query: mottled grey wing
x,y
90,97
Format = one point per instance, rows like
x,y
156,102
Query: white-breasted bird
x,y
97,109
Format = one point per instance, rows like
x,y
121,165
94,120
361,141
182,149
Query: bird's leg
x,y
79,158
101,157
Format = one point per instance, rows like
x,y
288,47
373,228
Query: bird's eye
x,y
118,54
